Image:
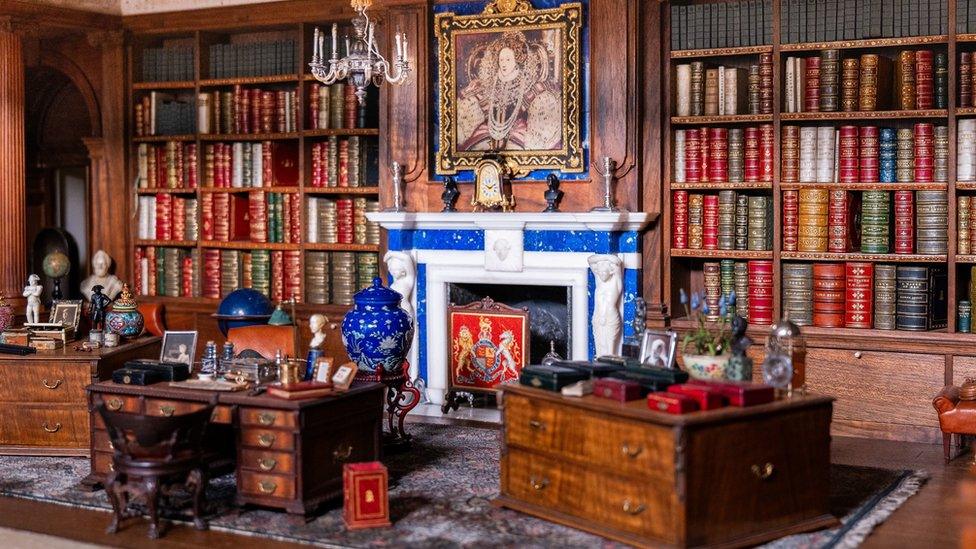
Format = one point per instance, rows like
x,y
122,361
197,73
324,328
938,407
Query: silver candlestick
x,y
397,171
608,171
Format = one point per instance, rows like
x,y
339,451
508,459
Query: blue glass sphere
x,y
243,307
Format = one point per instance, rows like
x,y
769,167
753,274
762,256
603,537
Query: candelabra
x,y
363,64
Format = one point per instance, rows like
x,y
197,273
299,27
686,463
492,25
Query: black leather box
x,y
133,376
550,378
593,369
168,371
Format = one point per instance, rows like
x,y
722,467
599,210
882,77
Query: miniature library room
x,y
464,274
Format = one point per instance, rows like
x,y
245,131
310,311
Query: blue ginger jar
x,y
377,332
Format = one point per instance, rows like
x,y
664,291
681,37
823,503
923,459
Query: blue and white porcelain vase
x,y
377,332
125,319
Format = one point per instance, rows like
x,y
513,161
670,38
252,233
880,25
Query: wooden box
x,y
366,501
728,477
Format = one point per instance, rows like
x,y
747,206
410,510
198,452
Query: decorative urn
x,y
377,332
6,314
243,307
125,319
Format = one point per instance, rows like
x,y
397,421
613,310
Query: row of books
x,y
252,217
170,165
341,221
334,107
827,83
849,154
250,164
168,64
723,221
871,222
247,110
335,277
159,113
168,217
344,162
829,20
752,282
721,24
724,90
276,274
865,295
724,154
965,16
252,59
965,225
966,149
170,272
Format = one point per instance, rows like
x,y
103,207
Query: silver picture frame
x,y
179,347
658,348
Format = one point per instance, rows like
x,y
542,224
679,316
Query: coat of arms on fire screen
x,y
489,345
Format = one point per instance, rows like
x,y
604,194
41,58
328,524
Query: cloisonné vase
x,y
125,319
377,332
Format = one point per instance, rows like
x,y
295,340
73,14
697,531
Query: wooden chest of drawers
x,y
735,476
43,396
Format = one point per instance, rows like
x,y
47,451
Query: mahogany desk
x,y
287,454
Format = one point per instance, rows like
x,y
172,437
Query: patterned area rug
x,y
439,497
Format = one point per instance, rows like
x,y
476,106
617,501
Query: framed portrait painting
x,y
509,84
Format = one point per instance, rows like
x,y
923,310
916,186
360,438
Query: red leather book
x,y
751,162
924,152
211,273
859,295
672,403
966,79
293,274
188,276
811,98
296,217
790,156
238,209
760,279
284,163
256,103
704,158
178,221
868,154
766,83
766,153
137,271
258,217
693,173
621,390
679,219
151,259
738,393
829,286
718,150
193,166
849,161
366,501
838,222
924,80
207,216
313,106
710,222
791,220
164,212
709,398
351,108
904,237
277,276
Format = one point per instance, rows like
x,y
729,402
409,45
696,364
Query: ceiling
x,y
136,7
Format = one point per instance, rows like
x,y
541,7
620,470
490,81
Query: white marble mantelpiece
x,y
556,221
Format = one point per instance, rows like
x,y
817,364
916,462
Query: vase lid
x,y
125,302
377,294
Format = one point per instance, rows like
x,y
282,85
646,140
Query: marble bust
x,y
404,272
606,320
316,323
111,285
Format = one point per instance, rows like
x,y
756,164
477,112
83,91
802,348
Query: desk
x,y
45,411
286,454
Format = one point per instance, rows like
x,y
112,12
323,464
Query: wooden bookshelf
x,y
732,185
165,191
858,115
163,138
900,186
342,190
249,80
721,254
248,136
722,119
250,189
872,43
164,85
720,52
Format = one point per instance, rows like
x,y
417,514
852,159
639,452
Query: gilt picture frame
x,y
509,83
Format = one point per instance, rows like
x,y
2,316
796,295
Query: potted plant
x,y
707,347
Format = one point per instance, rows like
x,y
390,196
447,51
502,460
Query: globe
x,y
243,307
56,265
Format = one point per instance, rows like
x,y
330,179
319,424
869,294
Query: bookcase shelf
x,y
966,37
188,85
865,115
720,52
965,111
900,186
238,245
341,132
735,185
720,254
722,119
966,185
250,189
342,190
249,80
163,138
854,256
968,259
168,243
165,191
336,247
248,136
866,44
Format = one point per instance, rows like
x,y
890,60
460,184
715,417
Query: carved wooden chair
x,y
153,456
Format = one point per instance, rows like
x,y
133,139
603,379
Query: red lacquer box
x,y
740,394
621,390
671,403
365,497
708,398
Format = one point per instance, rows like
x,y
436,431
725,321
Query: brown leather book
x,y
905,80
711,92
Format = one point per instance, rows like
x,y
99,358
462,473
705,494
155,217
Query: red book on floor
x,y
366,501
791,220
859,295
904,222
710,222
679,219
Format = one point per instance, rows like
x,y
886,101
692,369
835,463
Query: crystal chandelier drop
x,y
363,63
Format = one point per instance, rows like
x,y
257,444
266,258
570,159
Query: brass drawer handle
x,y
266,440
266,418
537,425
267,464
114,404
538,484
763,472
52,386
631,452
267,487
55,429
632,509
340,455
167,411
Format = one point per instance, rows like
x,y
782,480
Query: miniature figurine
x,y
450,195
110,284
552,195
607,324
33,292
96,309
316,323
404,272
739,367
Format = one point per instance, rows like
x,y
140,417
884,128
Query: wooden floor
x,y
932,518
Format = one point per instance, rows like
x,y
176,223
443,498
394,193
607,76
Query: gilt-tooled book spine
x,y
966,149
812,220
727,276
741,280
710,222
790,154
829,80
849,164
682,87
940,81
875,208
905,80
826,140
838,222
798,293
963,225
751,163
912,305
695,229
850,84
693,154
755,85
924,164
741,222
868,154
711,271
808,154
924,80
887,155
791,212
718,152
941,154
811,99
904,240
766,83
726,220
829,285
905,160
678,160
885,297
932,219
790,89
760,292
760,223
736,152
859,295
736,95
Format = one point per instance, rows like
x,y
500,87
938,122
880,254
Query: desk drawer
x,y
268,418
50,383
115,403
267,439
222,414
102,462
268,462
54,426
266,486
167,408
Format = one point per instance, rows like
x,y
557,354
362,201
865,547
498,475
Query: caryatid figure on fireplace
x,y
606,321
404,272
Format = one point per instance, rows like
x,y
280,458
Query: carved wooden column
x,y
13,240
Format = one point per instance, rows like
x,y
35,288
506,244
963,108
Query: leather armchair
x,y
265,340
152,314
955,416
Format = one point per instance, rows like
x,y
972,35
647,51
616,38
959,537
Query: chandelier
x,y
363,64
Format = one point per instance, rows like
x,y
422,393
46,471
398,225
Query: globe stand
x,y
401,397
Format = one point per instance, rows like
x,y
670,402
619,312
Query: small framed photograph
x,y
66,312
657,348
344,376
179,347
323,369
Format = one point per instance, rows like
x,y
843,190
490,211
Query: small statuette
x,y
450,195
552,195
397,170
739,367
96,309
608,172
33,292
316,324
